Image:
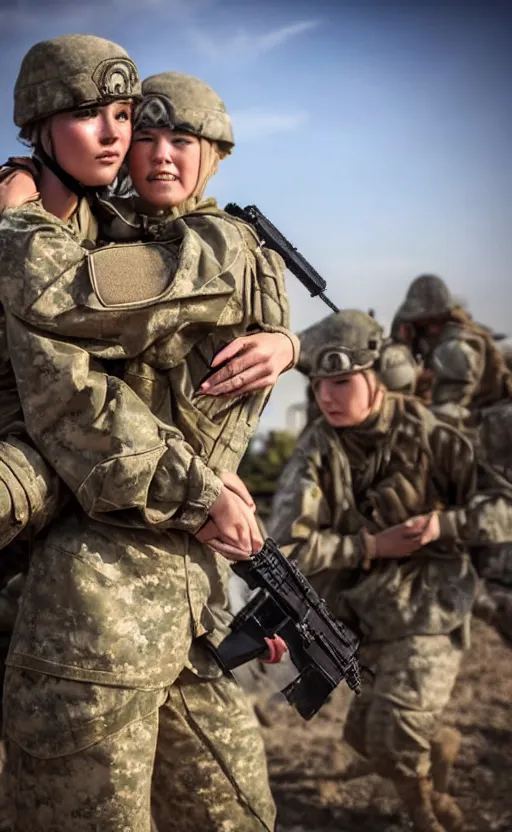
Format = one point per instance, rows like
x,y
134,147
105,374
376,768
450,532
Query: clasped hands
x,y
232,529
403,540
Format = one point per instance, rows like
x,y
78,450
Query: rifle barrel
x,y
275,240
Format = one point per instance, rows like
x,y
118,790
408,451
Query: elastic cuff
x,y
202,495
369,543
448,525
295,346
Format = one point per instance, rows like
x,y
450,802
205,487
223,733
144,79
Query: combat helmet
x,y
68,73
397,368
345,342
428,296
185,103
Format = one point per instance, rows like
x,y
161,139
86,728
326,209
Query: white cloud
x,y
244,43
254,124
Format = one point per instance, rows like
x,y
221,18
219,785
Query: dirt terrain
x,y
307,760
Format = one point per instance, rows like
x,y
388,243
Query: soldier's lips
x,y
109,157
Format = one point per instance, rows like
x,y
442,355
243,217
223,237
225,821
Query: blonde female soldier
x,y
109,689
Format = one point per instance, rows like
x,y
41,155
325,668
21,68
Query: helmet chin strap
x,y
52,164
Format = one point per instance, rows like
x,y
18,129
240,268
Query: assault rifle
x,y
273,239
322,649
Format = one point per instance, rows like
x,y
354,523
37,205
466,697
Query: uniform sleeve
x,y
43,271
274,313
458,368
303,522
483,517
224,425
103,441
487,519
266,310
30,491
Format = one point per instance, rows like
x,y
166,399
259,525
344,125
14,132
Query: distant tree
x,y
264,460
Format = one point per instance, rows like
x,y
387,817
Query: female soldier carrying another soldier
x,y
108,691
376,480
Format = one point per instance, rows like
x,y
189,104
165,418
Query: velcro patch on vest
x,y
134,274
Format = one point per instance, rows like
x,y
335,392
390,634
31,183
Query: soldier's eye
x,y
85,113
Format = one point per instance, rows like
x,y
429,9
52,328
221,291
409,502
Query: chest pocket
x,y
402,485
132,275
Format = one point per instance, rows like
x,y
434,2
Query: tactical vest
x,y
391,471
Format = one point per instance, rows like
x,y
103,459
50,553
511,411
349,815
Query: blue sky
x,y
376,135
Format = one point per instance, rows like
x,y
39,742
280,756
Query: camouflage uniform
x,y
469,370
30,491
119,592
51,79
472,388
493,446
413,613
397,368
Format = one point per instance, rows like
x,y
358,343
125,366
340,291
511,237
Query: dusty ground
x,y
306,760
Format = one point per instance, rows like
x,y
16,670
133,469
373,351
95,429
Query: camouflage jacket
x,y
168,307
402,462
469,371
29,488
134,588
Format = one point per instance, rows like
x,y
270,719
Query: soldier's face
x,y
164,166
90,144
344,400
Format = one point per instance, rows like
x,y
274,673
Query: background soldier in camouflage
x,y
493,447
471,388
468,370
133,600
397,369
375,480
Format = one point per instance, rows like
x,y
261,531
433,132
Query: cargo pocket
x,y
49,717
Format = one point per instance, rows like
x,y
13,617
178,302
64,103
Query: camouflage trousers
x,y
86,757
406,685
